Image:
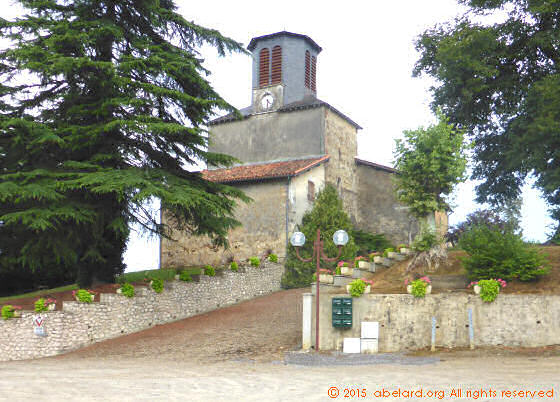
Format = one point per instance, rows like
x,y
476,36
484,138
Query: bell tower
x,y
284,70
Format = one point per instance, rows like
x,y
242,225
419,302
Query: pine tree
x,y
103,104
329,216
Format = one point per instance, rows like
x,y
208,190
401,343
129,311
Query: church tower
x,y
284,70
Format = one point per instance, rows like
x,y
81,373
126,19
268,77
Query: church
x,y
291,144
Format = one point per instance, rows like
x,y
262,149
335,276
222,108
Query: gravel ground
x,y
247,352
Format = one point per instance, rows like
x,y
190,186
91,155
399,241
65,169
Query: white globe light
x,y
340,238
297,239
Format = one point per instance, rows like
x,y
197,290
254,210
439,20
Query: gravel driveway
x,y
237,354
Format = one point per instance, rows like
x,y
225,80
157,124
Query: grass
x,y
164,274
40,292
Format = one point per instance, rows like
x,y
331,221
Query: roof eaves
x,y
376,165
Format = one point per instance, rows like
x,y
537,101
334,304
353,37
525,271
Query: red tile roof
x,y
262,171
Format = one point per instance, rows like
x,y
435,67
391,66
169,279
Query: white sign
x,y
39,325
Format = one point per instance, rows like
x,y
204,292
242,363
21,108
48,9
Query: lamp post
x,y
340,238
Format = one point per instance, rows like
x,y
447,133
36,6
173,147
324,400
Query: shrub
x,y
368,242
157,285
41,305
185,276
357,288
481,217
234,266
500,254
329,216
9,311
272,258
209,270
83,296
127,290
425,240
254,261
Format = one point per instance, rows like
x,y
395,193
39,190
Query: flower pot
x,y
17,314
325,278
177,277
391,254
378,259
366,290
341,280
409,289
51,307
364,265
404,250
346,270
119,291
428,289
476,289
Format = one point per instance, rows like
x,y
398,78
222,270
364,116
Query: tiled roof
x,y
375,165
263,171
309,102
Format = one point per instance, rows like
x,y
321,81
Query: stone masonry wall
x,y
379,211
80,324
405,323
264,228
341,144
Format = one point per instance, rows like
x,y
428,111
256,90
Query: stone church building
x,y
291,143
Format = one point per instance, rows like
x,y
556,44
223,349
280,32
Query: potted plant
x,y
389,253
126,289
419,287
376,257
9,311
361,262
83,296
359,287
403,249
42,305
254,261
345,268
326,276
234,266
157,285
273,258
488,289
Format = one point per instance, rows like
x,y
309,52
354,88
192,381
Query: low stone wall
x,y
405,323
80,324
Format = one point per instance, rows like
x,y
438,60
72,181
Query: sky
x,y
364,70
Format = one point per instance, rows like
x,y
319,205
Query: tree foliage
x,y
500,81
102,106
430,162
327,215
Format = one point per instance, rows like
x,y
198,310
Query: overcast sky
x,y
364,71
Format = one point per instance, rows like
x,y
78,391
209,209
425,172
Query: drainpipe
x,y
287,214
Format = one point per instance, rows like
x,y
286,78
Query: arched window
x,y
307,69
276,65
264,67
313,74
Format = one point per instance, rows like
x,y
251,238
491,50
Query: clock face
x,y
267,101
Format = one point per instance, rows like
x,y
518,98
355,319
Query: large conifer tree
x,y
102,105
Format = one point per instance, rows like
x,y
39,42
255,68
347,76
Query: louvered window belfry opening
x,y
310,71
276,65
264,68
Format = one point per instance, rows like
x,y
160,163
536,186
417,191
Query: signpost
x,y
38,325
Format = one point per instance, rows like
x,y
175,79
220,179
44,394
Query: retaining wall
x,y
405,322
80,324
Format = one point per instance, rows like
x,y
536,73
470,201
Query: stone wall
x,y
379,211
405,323
264,228
341,144
80,324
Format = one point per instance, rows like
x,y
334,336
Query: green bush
x,y
272,258
8,312
209,270
185,276
368,242
127,290
327,215
234,266
357,288
83,296
489,289
254,261
41,305
157,285
494,253
426,239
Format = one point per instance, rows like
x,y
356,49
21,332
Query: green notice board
x,y
342,312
